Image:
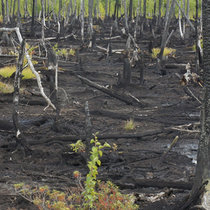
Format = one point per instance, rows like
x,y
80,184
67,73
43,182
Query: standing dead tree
x,y
17,31
165,34
20,141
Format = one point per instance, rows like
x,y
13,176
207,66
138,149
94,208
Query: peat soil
x,y
138,165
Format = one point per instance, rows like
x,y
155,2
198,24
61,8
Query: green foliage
x,y
65,3
79,146
94,195
90,194
167,51
64,52
7,71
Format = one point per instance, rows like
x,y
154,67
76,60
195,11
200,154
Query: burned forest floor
x,y
144,163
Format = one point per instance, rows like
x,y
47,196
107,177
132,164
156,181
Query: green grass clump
x,y
167,51
7,72
129,125
6,88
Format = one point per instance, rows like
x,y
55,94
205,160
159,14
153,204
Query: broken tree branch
x,y
128,99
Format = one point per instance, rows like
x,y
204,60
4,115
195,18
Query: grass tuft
x,y
6,88
129,125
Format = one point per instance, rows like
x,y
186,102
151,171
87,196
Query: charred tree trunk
x,y
7,12
159,11
197,38
130,9
203,156
32,22
3,10
165,33
18,15
20,141
82,19
145,9
126,80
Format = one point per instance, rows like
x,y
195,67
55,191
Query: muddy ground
x,y
169,111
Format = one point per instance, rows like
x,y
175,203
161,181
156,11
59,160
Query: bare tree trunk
x,y
165,32
159,11
75,8
137,20
18,15
7,12
184,20
180,25
33,14
13,12
90,27
197,38
82,19
106,8
203,156
53,9
43,26
130,9
60,7
188,8
145,8
26,8
20,141
3,10
126,16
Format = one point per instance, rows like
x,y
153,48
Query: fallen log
x,y
70,138
126,98
116,115
175,65
155,183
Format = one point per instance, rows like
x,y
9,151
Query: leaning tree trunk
x,y
203,157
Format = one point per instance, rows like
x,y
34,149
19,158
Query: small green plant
x,y
167,51
90,194
64,52
129,125
93,195
79,146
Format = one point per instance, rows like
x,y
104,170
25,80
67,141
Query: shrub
x,y
94,194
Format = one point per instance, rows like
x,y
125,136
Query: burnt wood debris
x,y
135,73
